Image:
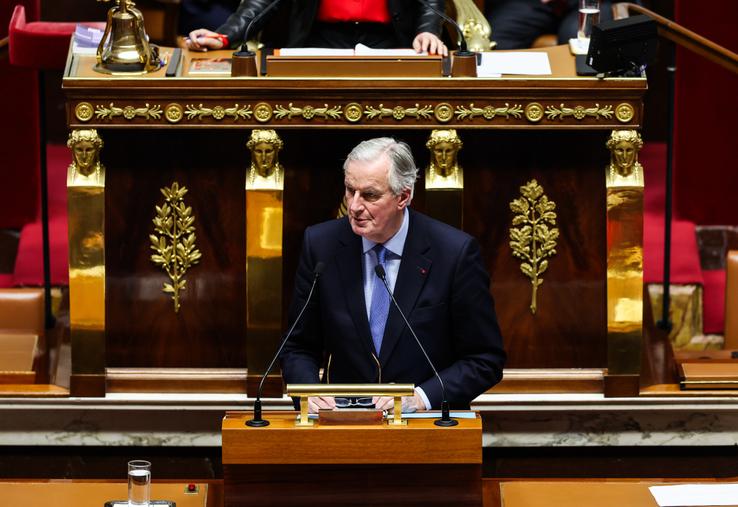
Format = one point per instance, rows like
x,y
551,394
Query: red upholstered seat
x,y
38,45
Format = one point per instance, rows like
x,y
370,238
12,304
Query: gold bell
x,y
125,46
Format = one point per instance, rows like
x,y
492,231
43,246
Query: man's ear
x,y
404,199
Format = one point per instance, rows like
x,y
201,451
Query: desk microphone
x,y
445,419
257,421
244,50
462,51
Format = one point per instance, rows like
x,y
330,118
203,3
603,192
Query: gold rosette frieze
x,y
148,112
398,112
237,112
308,112
488,112
579,112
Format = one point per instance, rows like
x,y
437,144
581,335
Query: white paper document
x,y
683,495
359,50
495,63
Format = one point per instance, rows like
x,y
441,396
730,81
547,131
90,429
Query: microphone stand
x,y
445,420
464,61
244,60
258,421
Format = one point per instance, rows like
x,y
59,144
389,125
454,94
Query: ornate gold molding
x,y
579,112
398,112
488,112
218,112
175,243
534,234
356,112
148,112
308,112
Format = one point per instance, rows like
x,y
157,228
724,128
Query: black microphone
x,y
257,421
462,51
445,419
244,51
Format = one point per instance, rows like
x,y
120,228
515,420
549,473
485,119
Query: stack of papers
x,y
359,50
496,63
86,39
695,494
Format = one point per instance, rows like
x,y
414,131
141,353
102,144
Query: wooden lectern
x,y
415,464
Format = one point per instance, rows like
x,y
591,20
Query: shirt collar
x,y
396,244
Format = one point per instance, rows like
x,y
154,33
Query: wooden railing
x,y
688,39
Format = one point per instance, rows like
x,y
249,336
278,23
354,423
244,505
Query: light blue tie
x,y
380,302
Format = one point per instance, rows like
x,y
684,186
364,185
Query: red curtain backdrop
x,y
706,134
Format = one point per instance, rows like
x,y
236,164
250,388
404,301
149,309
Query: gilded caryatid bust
x,y
265,172
444,170
85,168
624,167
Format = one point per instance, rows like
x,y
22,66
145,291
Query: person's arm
x,y
232,32
428,30
476,337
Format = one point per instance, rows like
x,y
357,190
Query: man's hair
x,y
402,171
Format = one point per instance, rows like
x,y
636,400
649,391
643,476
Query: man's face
x,y
264,158
373,211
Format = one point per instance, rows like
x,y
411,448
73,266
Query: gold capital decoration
x,y
174,241
534,234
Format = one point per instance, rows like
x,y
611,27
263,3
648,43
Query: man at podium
x,y
351,327
337,24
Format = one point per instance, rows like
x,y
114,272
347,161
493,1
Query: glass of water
x,y
589,15
139,483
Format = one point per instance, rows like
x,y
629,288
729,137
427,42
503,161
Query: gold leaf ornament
x,y
174,239
533,234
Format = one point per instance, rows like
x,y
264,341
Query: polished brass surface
x,y
124,47
624,112
173,112
263,112
579,112
624,181
396,391
475,26
534,112
443,112
264,257
353,112
174,240
86,218
488,112
534,234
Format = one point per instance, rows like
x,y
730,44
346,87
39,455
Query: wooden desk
x,y
91,494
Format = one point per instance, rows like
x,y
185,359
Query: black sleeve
x,y
235,26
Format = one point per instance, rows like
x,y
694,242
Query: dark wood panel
x,y
355,485
142,328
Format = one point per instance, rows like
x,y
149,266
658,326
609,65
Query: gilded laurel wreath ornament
x,y
534,234
307,112
174,240
399,112
237,112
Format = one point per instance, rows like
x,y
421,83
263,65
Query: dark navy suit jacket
x,y
441,286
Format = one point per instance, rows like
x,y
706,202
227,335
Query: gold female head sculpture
x,y
85,146
624,146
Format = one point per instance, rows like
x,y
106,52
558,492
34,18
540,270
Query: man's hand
x,y
316,403
202,40
429,42
409,403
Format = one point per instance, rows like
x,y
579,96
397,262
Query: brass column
x,y
86,212
624,180
444,178
264,225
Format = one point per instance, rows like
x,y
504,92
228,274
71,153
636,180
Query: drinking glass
x,y
589,15
139,483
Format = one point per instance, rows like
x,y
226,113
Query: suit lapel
x,y
414,270
349,260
